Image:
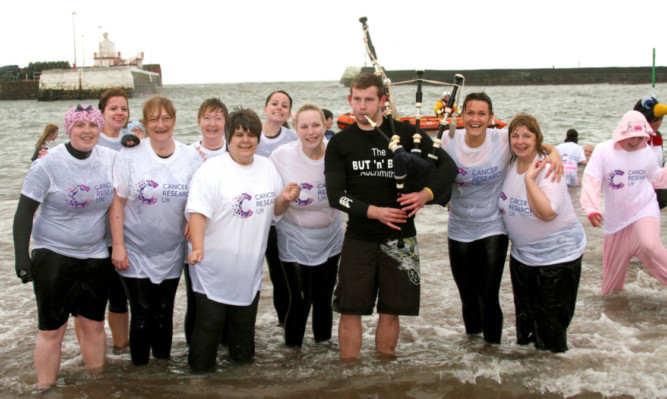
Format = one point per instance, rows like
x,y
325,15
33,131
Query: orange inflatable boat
x,y
429,124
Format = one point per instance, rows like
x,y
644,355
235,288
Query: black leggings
x,y
151,324
191,307
191,310
211,321
280,291
544,300
117,296
309,285
478,268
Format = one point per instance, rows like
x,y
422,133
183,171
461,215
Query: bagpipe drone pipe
x,y
412,171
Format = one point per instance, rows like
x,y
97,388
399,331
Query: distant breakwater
x,y
83,83
522,77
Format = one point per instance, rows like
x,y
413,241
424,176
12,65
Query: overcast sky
x,y
198,41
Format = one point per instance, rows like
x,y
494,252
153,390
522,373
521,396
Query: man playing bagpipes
x,y
380,260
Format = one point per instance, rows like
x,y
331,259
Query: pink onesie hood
x,y
633,124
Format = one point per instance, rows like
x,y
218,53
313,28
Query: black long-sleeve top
x,y
358,171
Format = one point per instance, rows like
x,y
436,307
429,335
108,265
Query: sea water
x,y
618,342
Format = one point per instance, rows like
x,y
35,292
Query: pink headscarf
x,y
83,112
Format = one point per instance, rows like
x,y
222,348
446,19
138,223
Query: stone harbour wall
x,y
520,77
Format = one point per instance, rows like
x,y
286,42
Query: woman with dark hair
x,y
116,112
69,263
477,236
49,134
211,119
235,195
147,227
572,155
547,241
277,110
310,235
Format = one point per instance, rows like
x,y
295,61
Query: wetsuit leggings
x,y
117,296
191,307
478,267
151,317
210,323
280,291
309,285
544,301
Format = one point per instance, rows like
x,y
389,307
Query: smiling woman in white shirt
x,y
233,200
310,235
547,241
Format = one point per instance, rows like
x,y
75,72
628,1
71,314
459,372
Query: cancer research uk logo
x,y
243,202
150,192
305,188
511,206
81,196
611,176
634,177
143,188
308,191
74,196
463,173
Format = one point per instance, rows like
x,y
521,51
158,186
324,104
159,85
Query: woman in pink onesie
x,y
626,170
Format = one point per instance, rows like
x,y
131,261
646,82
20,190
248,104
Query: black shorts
x,y
370,270
64,285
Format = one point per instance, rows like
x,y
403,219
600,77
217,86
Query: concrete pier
x,y
84,83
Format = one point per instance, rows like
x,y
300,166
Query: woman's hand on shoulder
x,y
557,170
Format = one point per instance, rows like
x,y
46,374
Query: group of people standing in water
x,y
121,223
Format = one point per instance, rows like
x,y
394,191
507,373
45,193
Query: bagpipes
x,y
412,171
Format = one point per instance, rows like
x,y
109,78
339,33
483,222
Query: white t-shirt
x,y
156,190
473,211
238,203
208,154
534,241
267,145
626,178
310,231
75,195
572,155
113,142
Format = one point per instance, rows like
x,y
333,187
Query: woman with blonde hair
x,y
310,235
147,224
